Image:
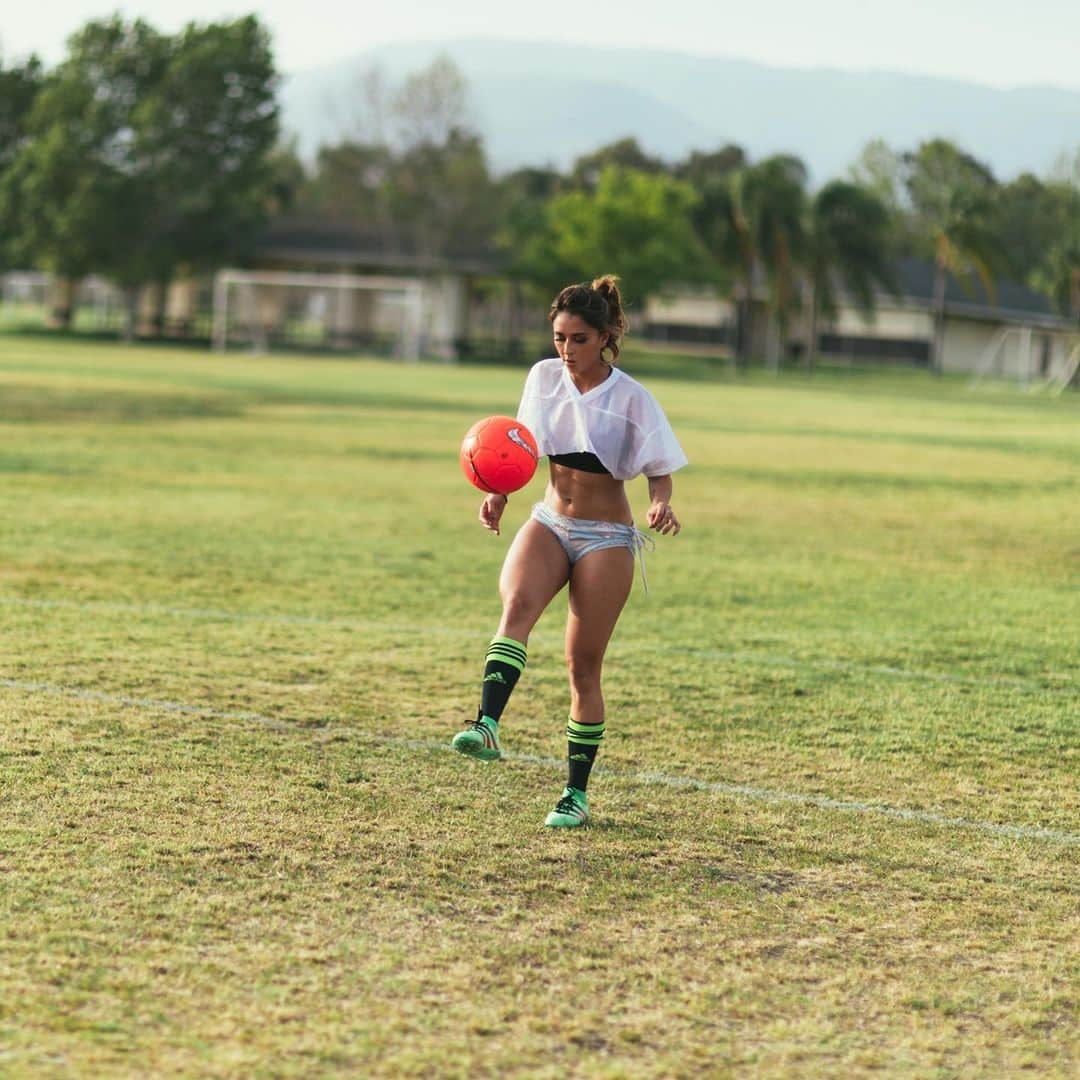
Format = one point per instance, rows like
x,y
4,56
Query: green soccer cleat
x,y
571,811
479,740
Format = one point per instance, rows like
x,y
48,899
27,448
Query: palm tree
x,y
952,195
847,244
1059,277
751,220
1059,274
775,200
721,220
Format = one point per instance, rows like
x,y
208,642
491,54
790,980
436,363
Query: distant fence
x,y
31,300
28,299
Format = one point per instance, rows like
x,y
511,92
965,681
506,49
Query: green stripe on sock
x,y
507,651
584,734
509,661
502,650
509,643
585,729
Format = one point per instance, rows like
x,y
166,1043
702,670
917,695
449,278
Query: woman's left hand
x,y
662,518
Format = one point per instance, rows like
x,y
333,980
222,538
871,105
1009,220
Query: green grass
x,y
244,604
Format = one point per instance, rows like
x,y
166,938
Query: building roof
x,y
1011,301
337,243
341,244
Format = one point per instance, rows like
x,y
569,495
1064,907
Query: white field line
x,y
148,704
745,792
346,622
206,614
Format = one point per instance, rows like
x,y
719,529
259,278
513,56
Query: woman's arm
x,y
661,517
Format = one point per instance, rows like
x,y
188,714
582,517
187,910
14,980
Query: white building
x,y
1016,333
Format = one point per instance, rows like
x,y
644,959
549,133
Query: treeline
x,y
416,173
144,156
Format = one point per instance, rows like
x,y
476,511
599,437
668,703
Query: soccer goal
x,y
1013,351
1067,375
259,310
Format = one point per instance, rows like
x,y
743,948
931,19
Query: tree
x,y
722,221
1031,216
1066,170
638,225
846,244
286,178
774,201
953,198
880,170
716,178
522,200
703,167
752,222
147,153
203,153
72,187
350,181
623,153
523,196
431,107
442,196
1058,274
1053,210
415,172
438,190
19,87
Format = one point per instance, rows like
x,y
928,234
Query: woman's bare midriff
x,y
591,496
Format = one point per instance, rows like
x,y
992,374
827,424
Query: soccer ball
x,y
499,454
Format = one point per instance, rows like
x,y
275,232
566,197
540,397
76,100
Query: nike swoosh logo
x,y
514,435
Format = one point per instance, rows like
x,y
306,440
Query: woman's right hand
x,y
491,511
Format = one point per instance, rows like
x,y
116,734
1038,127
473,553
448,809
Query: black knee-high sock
x,y
582,742
505,661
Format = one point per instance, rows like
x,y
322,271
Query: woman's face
x,y
578,344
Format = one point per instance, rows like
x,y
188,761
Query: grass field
x,y
244,607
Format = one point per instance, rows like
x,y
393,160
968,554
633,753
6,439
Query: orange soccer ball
x,y
499,454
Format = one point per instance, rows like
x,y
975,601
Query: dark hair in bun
x,y
600,305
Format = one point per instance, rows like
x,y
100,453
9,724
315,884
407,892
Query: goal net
x,y
1067,376
1038,359
261,310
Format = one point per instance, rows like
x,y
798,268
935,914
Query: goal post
x,y
1067,375
263,308
1049,363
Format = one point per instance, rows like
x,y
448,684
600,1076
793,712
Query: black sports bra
x,y
584,462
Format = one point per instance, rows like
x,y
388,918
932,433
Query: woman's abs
x,y
593,496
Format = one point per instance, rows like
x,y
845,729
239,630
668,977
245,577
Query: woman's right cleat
x,y
571,811
479,740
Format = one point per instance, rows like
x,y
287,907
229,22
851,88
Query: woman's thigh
x,y
599,586
535,569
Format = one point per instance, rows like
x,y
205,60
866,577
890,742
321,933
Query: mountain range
x,y
541,103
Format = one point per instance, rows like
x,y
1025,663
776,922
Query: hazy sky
x,y
996,42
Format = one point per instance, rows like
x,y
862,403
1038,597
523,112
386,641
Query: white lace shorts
x,y
579,536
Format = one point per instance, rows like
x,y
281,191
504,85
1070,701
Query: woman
x,y
599,428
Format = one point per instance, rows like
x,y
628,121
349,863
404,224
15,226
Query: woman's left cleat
x,y
571,811
479,740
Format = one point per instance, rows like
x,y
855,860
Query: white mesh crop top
x,y
619,421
